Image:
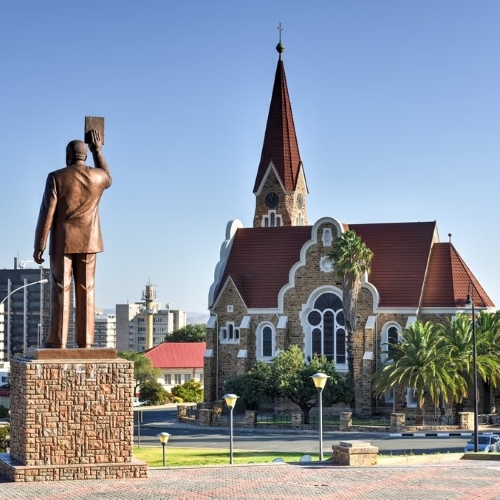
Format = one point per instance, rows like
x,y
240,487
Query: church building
x,y
275,285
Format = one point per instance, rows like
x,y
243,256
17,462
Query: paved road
x,y
447,480
186,435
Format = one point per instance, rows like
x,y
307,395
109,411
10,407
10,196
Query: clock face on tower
x,y
300,201
272,200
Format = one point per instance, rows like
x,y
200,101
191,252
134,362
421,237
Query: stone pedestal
x,y
398,422
345,421
466,420
354,453
71,417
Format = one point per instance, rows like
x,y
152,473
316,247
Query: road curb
x,y
434,434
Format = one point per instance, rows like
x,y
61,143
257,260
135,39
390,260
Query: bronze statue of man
x,y
69,211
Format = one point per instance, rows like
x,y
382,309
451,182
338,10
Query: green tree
x,y
291,378
190,333
352,260
190,392
143,369
458,342
154,393
421,362
253,388
4,411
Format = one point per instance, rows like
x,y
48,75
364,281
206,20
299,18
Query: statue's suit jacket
x,y
69,210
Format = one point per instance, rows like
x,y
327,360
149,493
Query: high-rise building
x,y
145,324
105,330
26,311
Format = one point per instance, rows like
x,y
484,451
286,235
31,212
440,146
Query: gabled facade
x,y
275,286
178,361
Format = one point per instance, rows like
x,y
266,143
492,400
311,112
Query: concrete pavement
x,y
460,479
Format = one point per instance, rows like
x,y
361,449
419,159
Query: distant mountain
x,y
194,318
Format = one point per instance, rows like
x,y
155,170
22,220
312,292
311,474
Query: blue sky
x,y
396,106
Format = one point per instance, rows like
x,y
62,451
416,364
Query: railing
x,y
218,414
274,418
436,420
373,421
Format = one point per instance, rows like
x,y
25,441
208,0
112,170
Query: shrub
x,y
190,392
4,432
154,393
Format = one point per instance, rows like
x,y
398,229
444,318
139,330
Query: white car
x,y
138,402
485,442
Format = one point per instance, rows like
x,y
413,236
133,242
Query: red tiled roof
x,y
448,280
261,259
401,253
280,140
409,269
177,355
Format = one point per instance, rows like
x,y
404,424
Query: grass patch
x,y
202,456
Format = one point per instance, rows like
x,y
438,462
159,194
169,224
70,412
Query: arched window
x,y
299,219
390,336
271,219
266,341
327,329
229,334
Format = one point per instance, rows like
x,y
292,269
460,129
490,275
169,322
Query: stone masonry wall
x,y
71,412
287,207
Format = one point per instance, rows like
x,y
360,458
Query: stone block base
x,y
16,472
71,417
354,453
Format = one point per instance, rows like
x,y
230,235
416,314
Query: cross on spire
x,y
280,29
280,47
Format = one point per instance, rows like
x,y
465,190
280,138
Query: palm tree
x,y
352,260
458,342
420,362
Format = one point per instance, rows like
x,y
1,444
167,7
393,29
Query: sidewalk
x,y
460,479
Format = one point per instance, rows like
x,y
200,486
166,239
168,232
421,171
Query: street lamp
x,y
163,437
231,401
14,291
469,302
319,380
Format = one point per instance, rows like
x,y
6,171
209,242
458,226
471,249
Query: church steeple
x,y
280,186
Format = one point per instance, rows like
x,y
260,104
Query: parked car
x,y
138,402
485,442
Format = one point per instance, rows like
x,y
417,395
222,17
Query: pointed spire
x,y
280,141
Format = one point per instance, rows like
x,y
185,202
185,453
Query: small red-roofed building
x,y
178,361
275,285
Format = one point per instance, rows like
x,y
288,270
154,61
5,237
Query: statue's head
x,y
76,150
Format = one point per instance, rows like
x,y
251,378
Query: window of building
x,y
327,237
266,341
200,377
272,219
229,334
177,378
390,336
168,379
411,397
328,335
187,377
